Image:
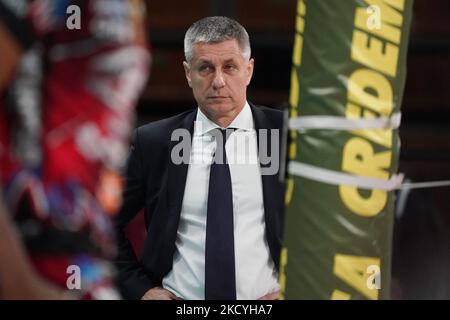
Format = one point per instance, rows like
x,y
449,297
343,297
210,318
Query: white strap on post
x,y
339,178
341,123
304,123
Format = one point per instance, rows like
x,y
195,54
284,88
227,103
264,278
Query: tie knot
x,y
224,134
221,136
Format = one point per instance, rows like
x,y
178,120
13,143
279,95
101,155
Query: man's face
x,y
219,76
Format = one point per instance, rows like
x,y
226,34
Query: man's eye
x,y
230,67
205,68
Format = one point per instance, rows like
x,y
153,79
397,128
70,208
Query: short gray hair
x,y
215,30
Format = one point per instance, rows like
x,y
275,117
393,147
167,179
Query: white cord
x,y
427,184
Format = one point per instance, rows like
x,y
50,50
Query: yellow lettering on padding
x,y
381,136
370,52
367,207
371,90
391,16
353,271
386,31
340,295
359,158
283,263
289,191
301,8
300,24
295,87
293,145
391,20
297,56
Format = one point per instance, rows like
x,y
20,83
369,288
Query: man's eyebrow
x,y
201,60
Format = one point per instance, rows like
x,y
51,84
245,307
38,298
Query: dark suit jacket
x,y
155,183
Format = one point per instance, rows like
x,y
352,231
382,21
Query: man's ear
x,y
187,72
250,67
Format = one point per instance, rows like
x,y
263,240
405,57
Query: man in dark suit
x,y
213,209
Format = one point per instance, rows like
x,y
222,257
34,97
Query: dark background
x,y
421,250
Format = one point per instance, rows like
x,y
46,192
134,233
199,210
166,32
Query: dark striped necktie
x,y
220,278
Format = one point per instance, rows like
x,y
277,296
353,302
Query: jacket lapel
x,y
177,173
174,192
270,184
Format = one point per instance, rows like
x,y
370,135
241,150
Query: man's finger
x,y
271,296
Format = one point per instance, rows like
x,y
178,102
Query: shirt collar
x,y
243,121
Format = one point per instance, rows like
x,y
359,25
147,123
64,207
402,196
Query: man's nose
x,y
218,81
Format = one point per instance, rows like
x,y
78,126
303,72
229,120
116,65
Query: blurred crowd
x,y
71,72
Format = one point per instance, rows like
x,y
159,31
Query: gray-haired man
x,y
213,226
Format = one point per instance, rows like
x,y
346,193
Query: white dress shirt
x,y
256,275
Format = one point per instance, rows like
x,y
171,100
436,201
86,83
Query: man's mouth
x,y
217,97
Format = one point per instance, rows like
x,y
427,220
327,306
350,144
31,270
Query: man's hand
x,y
159,293
271,296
